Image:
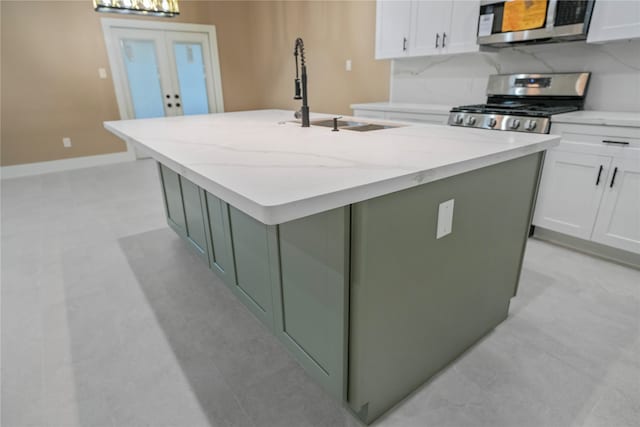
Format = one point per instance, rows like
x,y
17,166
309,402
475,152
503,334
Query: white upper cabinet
x,y
393,20
614,20
431,21
426,27
463,32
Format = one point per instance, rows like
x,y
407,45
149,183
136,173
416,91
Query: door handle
x,y
599,175
607,141
437,39
613,178
404,44
444,39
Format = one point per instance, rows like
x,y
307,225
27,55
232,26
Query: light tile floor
x,y
108,319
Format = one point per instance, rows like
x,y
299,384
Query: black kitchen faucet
x,y
301,91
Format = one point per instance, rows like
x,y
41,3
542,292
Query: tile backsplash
x,y
462,79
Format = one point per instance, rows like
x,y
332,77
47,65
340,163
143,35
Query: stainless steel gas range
x,y
524,102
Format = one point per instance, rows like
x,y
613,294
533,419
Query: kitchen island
x,y
376,257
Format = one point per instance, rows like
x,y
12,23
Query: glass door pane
x,y
141,65
191,77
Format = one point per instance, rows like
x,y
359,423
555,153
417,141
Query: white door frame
x,y
109,24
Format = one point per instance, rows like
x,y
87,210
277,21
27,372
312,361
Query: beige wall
x,y
333,31
51,52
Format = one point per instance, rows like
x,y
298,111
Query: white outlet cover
x,y
102,73
66,141
347,65
445,219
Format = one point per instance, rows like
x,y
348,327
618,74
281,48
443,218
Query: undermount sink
x,y
352,125
341,123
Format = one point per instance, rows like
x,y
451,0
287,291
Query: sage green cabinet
x,y
194,202
312,295
172,198
220,244
184,204
254,247
366,297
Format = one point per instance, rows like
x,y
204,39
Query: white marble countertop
x,y
405,107
276,171
603,118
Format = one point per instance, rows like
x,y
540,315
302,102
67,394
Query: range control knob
x,y
515,124
492,122
530,125
458,119
471,121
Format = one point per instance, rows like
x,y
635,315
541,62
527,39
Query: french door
x,y
164,72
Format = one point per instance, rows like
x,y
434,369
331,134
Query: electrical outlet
x,y
347,65
102,73
66,142
445,219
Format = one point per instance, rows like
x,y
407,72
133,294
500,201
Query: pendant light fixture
x,y
167,8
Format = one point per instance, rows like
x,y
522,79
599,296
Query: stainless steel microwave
x,y
504,23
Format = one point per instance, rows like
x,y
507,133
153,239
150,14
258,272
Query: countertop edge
x,y
598,118
404,108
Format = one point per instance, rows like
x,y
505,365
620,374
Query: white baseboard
x,y
592,248
29,169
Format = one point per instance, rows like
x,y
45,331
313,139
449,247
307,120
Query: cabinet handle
x,y
599,175
404,44
608,141
444,39
437,39
613,178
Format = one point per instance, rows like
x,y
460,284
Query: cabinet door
x,y
393,19
254,249
570,192
618,222
614,20
196,230
172,193
220,249
463,32
431,20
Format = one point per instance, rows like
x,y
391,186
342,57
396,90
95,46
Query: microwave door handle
x,y
551,13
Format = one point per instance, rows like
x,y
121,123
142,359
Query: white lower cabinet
x,y
590,186
570,192
618,222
